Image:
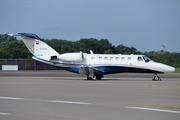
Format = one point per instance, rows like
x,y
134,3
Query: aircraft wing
x,y
87,70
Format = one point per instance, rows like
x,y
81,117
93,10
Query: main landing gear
x,y
89,78
98,77
156,78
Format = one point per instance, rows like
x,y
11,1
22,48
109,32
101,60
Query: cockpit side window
x,y
139,59
146,59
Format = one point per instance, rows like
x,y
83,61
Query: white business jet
x,y
92,65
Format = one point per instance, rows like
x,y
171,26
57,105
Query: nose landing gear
x,y
156,78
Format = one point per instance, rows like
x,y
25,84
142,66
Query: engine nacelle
x,y
71,57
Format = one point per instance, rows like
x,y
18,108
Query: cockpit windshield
x,y
146,59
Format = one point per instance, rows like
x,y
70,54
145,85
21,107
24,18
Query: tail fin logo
x,y
37,42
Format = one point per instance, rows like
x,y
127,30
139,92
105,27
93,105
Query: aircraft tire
x,y
156,78
98,77
89,78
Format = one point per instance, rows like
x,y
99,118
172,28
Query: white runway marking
x,y
153,109
11,98
4,113
69,102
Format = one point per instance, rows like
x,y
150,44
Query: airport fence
x,y
27,64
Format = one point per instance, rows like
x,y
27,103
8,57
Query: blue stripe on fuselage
x,y
123,69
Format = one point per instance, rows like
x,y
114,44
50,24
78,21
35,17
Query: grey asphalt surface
x,y
60,95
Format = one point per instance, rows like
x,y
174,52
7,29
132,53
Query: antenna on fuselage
x,y
91,52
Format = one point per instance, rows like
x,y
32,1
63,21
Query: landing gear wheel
x,y
89,78
98,77
156,78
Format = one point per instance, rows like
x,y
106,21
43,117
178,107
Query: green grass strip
x,y
177,69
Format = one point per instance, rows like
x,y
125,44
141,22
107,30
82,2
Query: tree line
x,y
12,48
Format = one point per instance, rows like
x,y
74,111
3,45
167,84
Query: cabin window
x,y
123,58
100,58
140,59
105,58
129,58
117,58
111,58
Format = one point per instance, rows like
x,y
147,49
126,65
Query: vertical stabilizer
x,y
37,46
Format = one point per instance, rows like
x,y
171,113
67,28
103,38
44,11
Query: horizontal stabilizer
x,y
13,34
28,35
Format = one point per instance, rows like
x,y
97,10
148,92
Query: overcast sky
x,y
143,24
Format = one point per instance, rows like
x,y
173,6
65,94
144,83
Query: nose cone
x,y
164,68
171,69
168,68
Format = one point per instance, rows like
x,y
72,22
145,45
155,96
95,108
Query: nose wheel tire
x,y
156,78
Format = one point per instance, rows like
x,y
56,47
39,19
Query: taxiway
x,y
52,95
